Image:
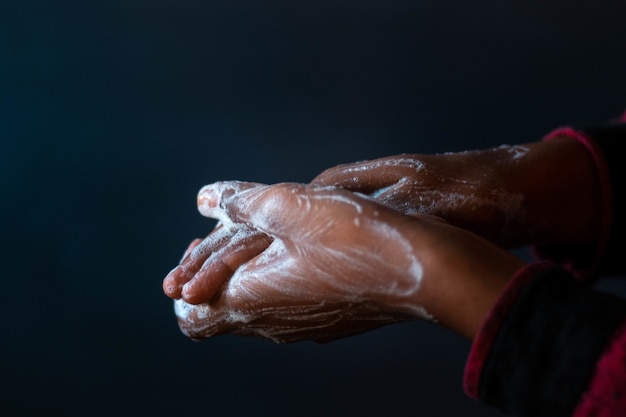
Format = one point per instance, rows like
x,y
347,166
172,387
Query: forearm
x,y
462,300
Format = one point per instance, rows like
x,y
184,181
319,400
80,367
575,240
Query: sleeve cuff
x,y
487,333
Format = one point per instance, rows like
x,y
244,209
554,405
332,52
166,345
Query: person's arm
x,y
556,194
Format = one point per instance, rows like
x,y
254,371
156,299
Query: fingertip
x,y
170,286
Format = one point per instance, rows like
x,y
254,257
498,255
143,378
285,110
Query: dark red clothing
x,y
552,345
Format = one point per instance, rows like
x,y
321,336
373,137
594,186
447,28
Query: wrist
x,y
560,193
463,276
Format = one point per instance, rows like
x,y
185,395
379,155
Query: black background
x,y
114,113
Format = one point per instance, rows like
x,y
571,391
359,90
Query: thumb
x,y
210,197
267,208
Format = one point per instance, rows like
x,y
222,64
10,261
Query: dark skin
x,y
453,215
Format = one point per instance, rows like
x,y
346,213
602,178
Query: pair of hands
x,y
361,246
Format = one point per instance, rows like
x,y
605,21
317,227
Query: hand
x,y
536,193
467,188
338,264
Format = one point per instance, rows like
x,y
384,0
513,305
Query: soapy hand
x,y
465,188
537,193
338,263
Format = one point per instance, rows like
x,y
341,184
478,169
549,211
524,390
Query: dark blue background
x,y
114,113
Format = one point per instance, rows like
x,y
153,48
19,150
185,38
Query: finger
x,y
193,261
289,211
169,286
220,266
231,201
369,176
271,209
206,193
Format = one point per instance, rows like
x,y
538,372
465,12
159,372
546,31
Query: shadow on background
x,y
113,115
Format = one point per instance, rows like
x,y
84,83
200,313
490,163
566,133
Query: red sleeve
x,y
551,346
606,395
